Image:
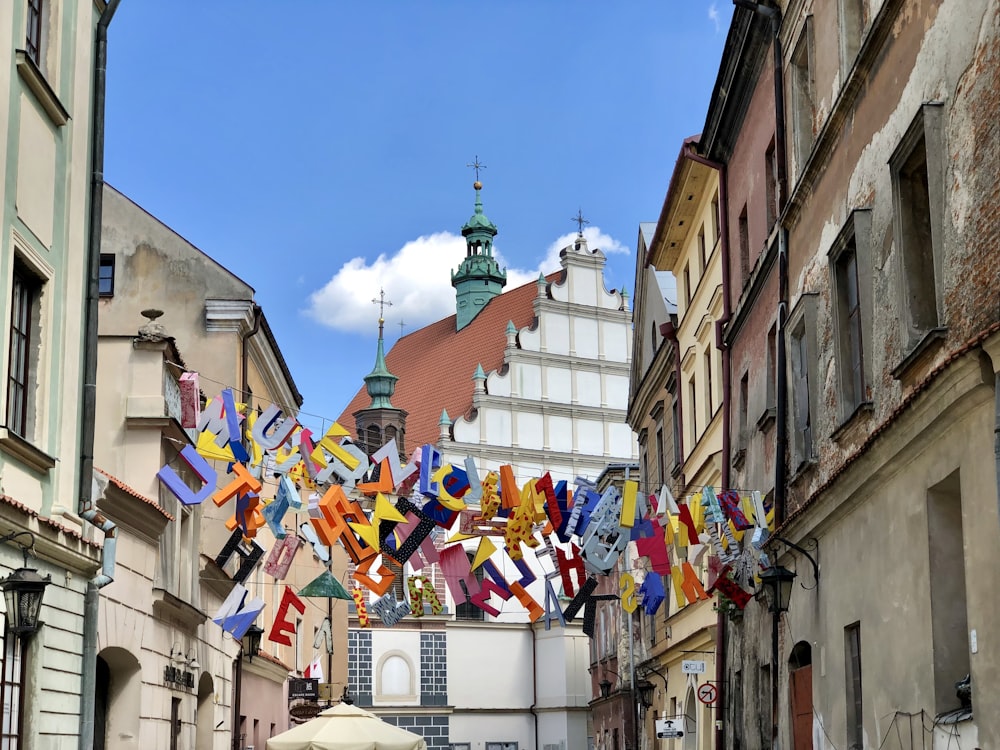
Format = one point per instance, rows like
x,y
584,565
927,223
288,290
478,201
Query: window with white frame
x,y
11,691
22,365
501,746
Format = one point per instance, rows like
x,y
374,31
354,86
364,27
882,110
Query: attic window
x,y
691,197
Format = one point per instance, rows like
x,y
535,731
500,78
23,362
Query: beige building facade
x,y
48,98
685,243
226,340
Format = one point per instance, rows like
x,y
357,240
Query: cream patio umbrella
x,y
346,727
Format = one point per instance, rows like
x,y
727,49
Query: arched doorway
x,y
117,698
690,721
800,695
205,723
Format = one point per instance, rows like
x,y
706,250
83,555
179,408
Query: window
x,y
298,644
33,40
850,268
12,691
501,746
23,323
661,457
771,186
852,21
803,107
702,251
949,605
106,275
467,610
707,357
692,400
802,362
675,409
461,746
744,239
852,682
918,198
399,587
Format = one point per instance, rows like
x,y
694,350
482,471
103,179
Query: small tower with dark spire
x,y
479,277
380,422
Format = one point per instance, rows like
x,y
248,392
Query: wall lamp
x,y
178,657
251,641
23,591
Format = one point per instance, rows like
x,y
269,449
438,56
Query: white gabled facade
x,y
559,402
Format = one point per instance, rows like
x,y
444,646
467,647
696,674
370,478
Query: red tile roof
x,y
48,521
134,493
435,364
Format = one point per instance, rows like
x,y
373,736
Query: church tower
x,y
478,278
380,422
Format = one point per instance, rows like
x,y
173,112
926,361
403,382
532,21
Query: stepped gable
x,y
435,364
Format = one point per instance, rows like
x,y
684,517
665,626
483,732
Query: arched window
x,y
374,438
394,677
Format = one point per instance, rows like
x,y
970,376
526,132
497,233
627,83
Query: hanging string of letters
x,y
581,531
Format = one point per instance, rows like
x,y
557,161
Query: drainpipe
x,y
720,327
87,508
534,681
244,354
996,429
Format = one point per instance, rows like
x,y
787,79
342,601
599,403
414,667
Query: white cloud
x,y
713,16
417,280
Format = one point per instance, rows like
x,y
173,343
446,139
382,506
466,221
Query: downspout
x,y
87,508
720,327
244,354
238,663
996,429
534,682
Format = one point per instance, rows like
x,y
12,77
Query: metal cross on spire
x,y
401,324
580,221
476,165
382,303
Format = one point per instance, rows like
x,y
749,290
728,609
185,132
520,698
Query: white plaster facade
x,y
559,402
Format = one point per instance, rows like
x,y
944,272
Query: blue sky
x,y
319,149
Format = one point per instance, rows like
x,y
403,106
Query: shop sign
x,y
307,688
178,677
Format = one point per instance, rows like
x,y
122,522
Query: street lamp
x,y
605,686
777,586
23,591
776,583
645,688
251,641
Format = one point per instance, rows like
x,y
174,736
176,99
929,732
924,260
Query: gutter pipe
x,y
244,354
87,508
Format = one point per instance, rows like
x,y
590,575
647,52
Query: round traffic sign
x,y
708,693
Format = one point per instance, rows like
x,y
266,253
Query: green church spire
x,y
479,277
381,383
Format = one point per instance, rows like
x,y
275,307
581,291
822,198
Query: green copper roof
x,y
479,374
445,419
479,221
380,382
